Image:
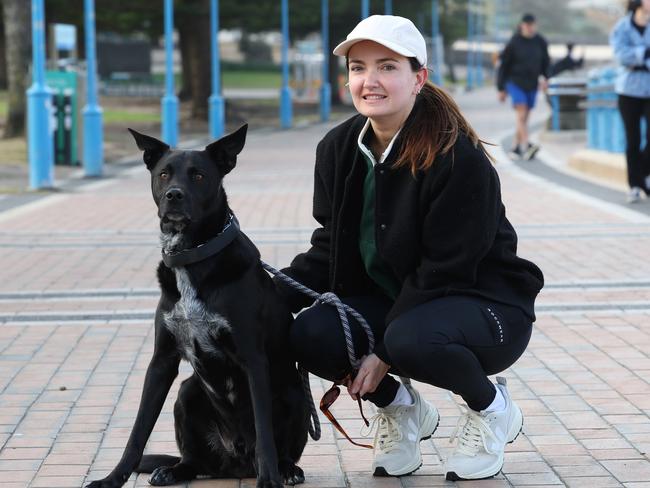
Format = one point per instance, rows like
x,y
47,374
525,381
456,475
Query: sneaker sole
x,y
452,476
381,472
533,153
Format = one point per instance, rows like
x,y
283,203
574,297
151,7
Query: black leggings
x,y
451,342
638,162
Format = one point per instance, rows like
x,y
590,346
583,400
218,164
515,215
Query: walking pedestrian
x,y
524,61
630,40
413,235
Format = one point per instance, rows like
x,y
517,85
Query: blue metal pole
x,y
470,46
40,142
215,102
169,103
93,151
325,88
388,7
555,114
365,8
478,60
435,39
285,94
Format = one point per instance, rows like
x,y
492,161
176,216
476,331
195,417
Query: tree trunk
x,y
194,25
185,93
3,59
449,61
334,80
18,43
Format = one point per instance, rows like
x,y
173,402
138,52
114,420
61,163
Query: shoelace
x,y
388,432
474,432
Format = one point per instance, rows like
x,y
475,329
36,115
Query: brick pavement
x,y
78,290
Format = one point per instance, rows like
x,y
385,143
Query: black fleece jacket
x,y
523,61
443,232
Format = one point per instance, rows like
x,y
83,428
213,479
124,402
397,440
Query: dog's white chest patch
x,y
193,325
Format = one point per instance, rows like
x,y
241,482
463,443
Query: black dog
x,y
243,412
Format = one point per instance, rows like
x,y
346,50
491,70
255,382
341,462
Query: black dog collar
x,y
205,250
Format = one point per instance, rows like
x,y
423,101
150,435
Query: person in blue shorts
x,y
524,61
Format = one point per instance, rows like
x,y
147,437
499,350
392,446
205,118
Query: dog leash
x,y
343,309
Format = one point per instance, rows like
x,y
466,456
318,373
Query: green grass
x,y
240,78
251,79
3,104
116,115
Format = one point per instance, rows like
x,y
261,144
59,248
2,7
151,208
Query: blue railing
x,y
605,130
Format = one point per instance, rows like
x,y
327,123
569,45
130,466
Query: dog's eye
x,y
197,176
164,175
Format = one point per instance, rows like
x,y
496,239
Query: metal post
x,y
215,102
285,93
555,114
40,144
388,7
478,60
435,40
169,103
325,88
365,8
470,46
93,145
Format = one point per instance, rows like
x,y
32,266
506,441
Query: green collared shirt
x,y
375,266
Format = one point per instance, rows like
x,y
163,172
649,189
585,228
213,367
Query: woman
x,y
414,237
630,41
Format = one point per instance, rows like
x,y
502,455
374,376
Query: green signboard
x,y
64,102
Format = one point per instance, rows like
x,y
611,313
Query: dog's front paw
x,y
291,474
269,483
163,476
108,482
268,478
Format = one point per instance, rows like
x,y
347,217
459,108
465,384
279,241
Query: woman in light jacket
x,y
630,40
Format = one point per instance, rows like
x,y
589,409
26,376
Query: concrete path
x,y
78,290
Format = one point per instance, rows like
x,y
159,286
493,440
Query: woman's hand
x,y
370,374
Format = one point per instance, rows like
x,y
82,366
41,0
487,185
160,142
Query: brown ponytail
x,y
434,129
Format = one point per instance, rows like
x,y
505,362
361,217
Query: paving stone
x,y
69,390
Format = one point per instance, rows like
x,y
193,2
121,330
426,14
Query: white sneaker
x,y
482,438
634,195
515,153
399,432
531,151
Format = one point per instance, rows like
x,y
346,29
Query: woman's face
x,y
382,84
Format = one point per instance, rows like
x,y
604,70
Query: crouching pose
x,y
414,236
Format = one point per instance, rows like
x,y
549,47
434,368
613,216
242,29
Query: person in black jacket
x,y
413,234
524,60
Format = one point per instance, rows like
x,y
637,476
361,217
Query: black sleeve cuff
x,y
380,352
295,299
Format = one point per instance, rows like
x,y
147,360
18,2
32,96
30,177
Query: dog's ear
x,y
152,147
224,151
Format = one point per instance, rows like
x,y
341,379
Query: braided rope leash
x,y
343,311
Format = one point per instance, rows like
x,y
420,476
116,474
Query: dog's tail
x,y
153,461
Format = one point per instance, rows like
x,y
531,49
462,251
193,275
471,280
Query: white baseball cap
x,y
396,33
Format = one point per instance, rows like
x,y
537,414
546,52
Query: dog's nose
x,y
174,194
